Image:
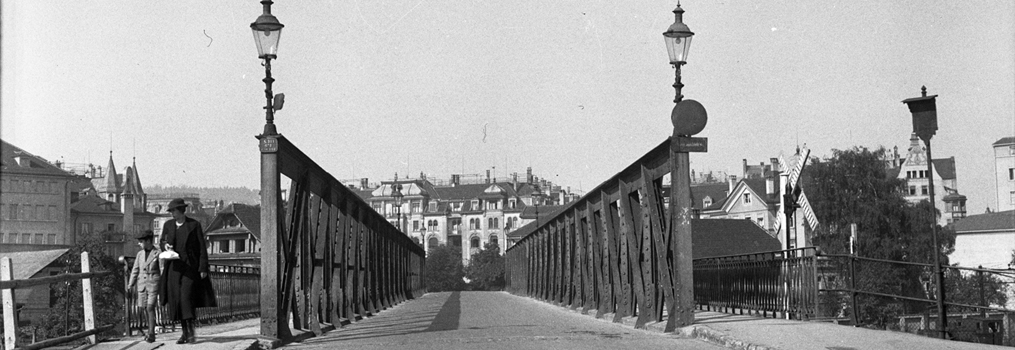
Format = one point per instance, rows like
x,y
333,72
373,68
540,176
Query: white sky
x,y
575,89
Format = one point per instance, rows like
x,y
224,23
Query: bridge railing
x,y
9,285
326,255
776,284
237,291
611,251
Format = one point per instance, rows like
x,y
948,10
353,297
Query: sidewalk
x,y
239,335
753,333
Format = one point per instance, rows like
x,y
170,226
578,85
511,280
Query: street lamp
x,y
396,192
266,31
924,110
688,118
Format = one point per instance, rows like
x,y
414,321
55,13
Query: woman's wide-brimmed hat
x,y
176,203
146,234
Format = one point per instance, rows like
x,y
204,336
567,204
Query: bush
x,y
444,270
486,269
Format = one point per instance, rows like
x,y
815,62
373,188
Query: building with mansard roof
x,y
466,215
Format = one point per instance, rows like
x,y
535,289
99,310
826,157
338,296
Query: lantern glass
x,y
677,46
267,42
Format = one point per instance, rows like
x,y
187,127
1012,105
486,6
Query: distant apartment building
x,y
35,202
1004,170
466,215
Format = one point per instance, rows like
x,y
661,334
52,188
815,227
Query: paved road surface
x,y
454,321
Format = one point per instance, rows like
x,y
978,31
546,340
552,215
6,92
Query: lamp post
x,y
266,30
924,110
688,118
396,192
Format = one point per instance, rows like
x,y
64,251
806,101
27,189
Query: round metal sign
x,y
689,117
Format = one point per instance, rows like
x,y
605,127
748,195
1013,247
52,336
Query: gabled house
x,y
913,170
234,235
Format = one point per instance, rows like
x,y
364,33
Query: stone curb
x,y
700,332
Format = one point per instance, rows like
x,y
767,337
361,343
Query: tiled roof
x,y
892,173
718,192
1005,141
721,237
945,167
461,192
713,237
80,184
1002,220
34,165
27,264
760,188
248,215
95,205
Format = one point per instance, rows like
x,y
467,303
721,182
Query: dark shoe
x,y
150,338
182,340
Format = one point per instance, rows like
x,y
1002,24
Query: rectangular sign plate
x,y
692,144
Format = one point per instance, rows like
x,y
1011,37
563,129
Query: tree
x,y
444,269
853,187
486,269
108,291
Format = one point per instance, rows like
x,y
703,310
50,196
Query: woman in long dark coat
x,y
185,285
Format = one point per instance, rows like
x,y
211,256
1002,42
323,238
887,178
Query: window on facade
x,y
474,242
496,223
38,236
1,237
923,190
1011,173
50,239
433,207
432,242
14,211
223,246
1012,200
415,225
110,227
747,198
706,202
52,213
456,206
512,203
761,221
241,245
912,190
475,204
26,238
493,239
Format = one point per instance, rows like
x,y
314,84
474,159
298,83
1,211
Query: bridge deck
x,y
497,320
490,320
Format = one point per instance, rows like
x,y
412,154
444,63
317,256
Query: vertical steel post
x,y
942,316
680,314
273,318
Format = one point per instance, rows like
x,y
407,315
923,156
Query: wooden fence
x,y
326,256
8,285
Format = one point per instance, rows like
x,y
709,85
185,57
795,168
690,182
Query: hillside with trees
x,y
207,194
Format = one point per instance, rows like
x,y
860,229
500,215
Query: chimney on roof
x,y
528,175
364,183
454,179
487,175
514,181
771,184
733,183
775,163
745,168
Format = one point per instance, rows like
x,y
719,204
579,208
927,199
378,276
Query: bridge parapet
x,y
613,250
326,255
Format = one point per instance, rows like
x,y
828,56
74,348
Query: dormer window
x,y
706,202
